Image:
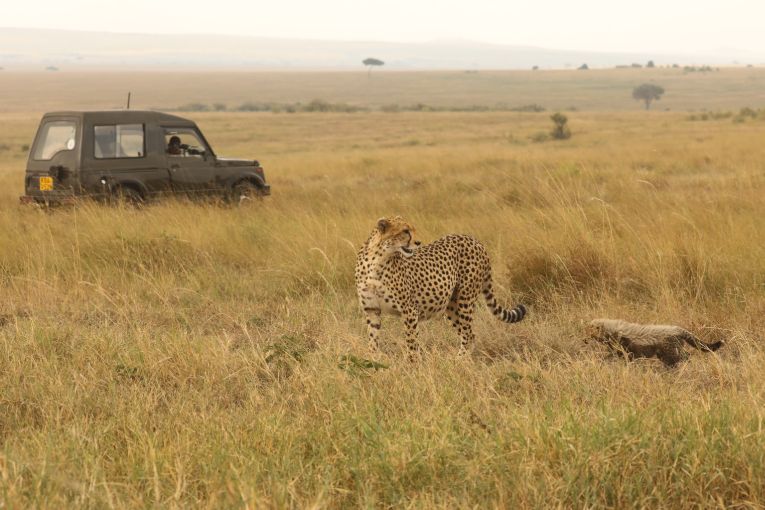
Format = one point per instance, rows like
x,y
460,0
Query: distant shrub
x,y
650,64
528,108
535,68
710,116
748,112
636,65
560,130
319,105
583,67
194,107
219,107
254,107
539,137
699,69
390,108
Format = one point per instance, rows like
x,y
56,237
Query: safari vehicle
x,y
133,156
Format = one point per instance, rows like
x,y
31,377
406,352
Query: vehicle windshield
x,y
55,136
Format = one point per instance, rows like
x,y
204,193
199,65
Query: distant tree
x,y
636,65
650,64
561,130
535,68
583,67
647,92
371,62
675,66
219,107
51,68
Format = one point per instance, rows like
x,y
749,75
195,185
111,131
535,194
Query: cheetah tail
x,y
691,340
513,315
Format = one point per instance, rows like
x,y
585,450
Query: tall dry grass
x,y
198,355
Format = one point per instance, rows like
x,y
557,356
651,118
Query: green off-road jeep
x,y
134,156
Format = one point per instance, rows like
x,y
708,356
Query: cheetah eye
x,y
406,231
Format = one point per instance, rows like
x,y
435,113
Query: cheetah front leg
x,y
373,327
411,318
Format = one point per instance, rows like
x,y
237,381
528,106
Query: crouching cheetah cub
x,y
395,275
647,340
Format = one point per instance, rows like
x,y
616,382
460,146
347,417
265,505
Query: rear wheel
x,y
245,192
127,197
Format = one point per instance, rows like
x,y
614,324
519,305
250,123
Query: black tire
x,y
245,192
127,197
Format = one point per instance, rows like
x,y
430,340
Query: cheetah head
x,y
396,235
594,331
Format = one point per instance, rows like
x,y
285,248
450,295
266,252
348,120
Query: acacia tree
x,y
371,62
647,92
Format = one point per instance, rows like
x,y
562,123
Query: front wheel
x,y
245,192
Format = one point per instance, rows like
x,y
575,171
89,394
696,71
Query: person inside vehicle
x,y
174,146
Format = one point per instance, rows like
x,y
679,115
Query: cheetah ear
x,y
382,225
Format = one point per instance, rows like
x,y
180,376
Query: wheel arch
x,y
133,184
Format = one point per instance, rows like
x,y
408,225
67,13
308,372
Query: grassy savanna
x,y
603,90
198,355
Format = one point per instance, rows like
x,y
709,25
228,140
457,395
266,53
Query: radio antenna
x,y
128,102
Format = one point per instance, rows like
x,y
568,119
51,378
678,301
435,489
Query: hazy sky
x,y
608,25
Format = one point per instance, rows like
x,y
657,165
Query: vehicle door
x,y
118,152
190,161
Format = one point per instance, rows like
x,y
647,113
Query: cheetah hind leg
x,y
461,318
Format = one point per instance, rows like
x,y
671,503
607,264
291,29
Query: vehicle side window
x,y
55,136
184,143
118,141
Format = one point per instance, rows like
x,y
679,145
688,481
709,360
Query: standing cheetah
x,y
394,274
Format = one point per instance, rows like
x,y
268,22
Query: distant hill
x,y
33,48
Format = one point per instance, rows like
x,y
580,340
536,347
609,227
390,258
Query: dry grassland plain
x,y
191,355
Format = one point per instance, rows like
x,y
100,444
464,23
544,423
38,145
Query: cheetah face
x,y
593,331
396,235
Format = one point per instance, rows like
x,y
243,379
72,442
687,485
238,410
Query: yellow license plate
x,y
46,183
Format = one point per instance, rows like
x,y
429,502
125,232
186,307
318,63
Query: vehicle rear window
x,y
118,141
55,136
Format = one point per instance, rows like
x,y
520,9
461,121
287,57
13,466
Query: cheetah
x,y
397,275
647,341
